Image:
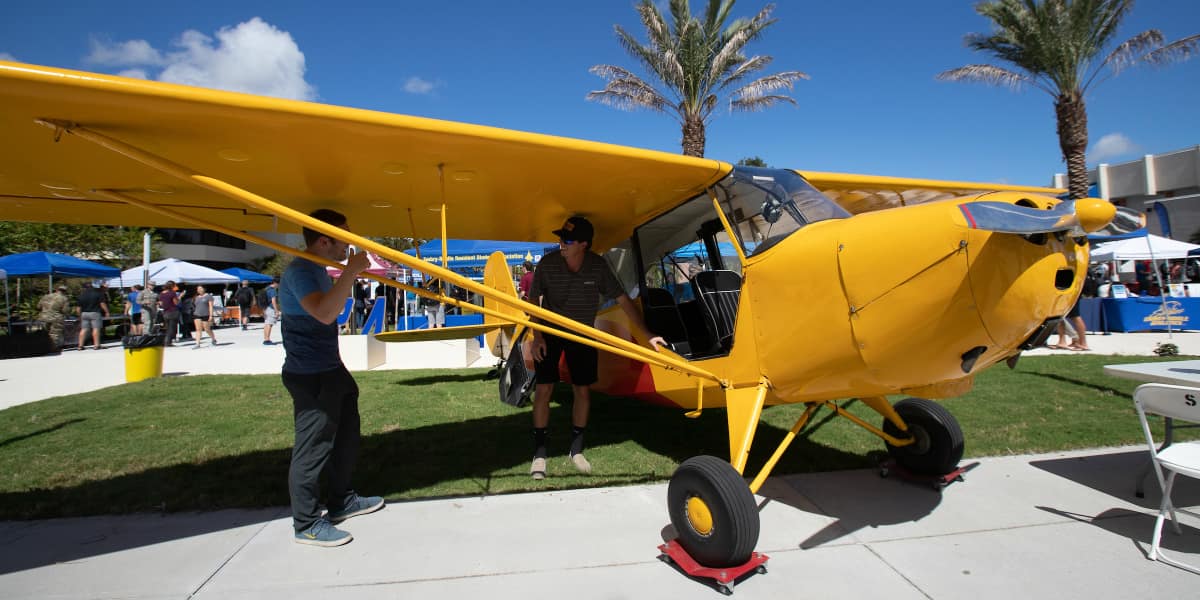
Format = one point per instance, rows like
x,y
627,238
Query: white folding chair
x,y
1173,402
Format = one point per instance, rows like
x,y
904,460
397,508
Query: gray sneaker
x,y
538,468
357,506
323,533
581,464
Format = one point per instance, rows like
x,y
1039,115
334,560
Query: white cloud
x,y
1113,145
253,57
123,54
8,57
416,85
134,74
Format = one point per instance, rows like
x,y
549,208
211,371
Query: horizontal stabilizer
x,y
439,334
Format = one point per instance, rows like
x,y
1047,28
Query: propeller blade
x,y
1086,214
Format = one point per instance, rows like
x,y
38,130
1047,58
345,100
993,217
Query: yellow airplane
x,y
810,287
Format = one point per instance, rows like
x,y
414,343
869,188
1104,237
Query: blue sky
x,y
871,106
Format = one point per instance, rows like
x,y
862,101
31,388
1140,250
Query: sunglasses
x,y
568,242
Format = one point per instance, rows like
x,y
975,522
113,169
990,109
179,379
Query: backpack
x,y
263,301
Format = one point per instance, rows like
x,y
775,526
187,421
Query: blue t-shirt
x,y
311,346
272,293
134,307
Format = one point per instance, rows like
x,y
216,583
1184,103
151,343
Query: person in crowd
x,y
361,294
187,308
270,311
526,280
52,310
435,312
244,296
148,300
203,313
168,307
570,282
133,310
324,394
93,307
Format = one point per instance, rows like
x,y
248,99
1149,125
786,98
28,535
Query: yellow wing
x,y
384,171
864,193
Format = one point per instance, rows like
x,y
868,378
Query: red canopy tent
x,y
378,266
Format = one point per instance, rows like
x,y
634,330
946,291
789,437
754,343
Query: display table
x,y
1146,313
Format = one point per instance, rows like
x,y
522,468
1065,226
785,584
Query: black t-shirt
x,y
574,295
244,296
90,300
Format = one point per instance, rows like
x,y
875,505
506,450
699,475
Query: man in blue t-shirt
x,y
324,394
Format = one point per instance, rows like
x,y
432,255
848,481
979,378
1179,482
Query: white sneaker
x,y
581,464
538,468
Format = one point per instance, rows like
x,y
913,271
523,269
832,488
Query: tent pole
x,y
1161,290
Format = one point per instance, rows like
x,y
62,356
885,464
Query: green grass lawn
x,y
209,442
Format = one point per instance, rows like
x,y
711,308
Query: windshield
x,y
766,205
763,206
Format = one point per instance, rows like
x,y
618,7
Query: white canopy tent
x,y
172,269
1149,247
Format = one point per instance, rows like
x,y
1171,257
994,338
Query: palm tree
x,y
1054,45
696,60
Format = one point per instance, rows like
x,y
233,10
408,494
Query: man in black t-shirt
x,y
571,282
93,306
245,298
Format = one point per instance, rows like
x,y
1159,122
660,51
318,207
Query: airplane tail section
x,y
498,275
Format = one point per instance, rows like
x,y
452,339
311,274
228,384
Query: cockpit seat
x,y
719,293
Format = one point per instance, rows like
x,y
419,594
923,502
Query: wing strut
x,y
594,337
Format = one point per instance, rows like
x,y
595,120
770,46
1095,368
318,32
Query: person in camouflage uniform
x,y
54,307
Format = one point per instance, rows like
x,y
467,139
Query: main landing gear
x,y
716,518
938,444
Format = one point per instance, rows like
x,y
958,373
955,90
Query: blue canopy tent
x,y
28,264
248,275
470,254
36,264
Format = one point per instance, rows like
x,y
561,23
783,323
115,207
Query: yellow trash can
x,y
143,357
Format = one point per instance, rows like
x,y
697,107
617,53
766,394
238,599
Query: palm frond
x,y
627,91
1132,50
748,67
1176,51
759,87
759,103
989,74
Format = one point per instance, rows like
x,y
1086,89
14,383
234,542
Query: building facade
x,y
1170,180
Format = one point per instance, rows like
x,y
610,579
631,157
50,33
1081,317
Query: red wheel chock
x,y
725,577
937,482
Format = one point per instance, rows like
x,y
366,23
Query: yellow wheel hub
x,y
699,516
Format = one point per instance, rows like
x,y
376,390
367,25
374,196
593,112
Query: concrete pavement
x,y
1063,525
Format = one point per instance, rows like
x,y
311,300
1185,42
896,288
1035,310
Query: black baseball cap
x,y
576,229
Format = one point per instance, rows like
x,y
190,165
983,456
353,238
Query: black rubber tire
x,y
939,444
735,523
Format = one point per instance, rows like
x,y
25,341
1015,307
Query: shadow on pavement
x,y
398,464
1116,474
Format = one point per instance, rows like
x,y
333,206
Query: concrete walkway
x,y
1044,526
238,352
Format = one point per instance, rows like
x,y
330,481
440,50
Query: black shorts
x,y
581,361
135,318
1074,312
